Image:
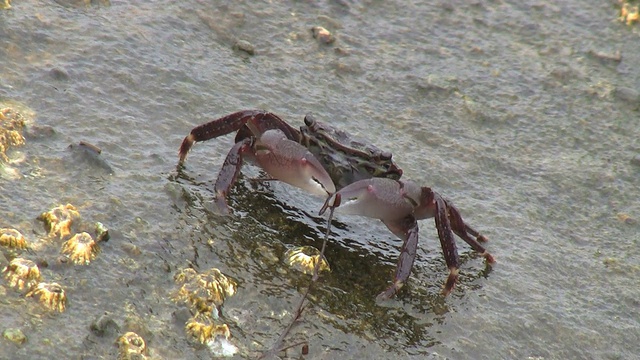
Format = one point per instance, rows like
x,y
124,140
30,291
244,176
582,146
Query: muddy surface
x,y
525,114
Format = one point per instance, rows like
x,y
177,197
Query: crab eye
x,y
385,155
309,120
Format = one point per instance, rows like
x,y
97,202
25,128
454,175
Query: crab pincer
x,y
399,204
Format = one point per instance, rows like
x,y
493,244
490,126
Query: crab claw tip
x,y
451,281
332,201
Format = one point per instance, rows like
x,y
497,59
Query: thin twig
x,y
297,314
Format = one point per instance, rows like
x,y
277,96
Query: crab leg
x,y
447,242
229,172
407,230
463,230
257,121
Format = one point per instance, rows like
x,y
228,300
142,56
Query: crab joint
x,y
451,280
333,201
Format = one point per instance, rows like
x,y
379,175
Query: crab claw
x,y
399,205
378,198
292,163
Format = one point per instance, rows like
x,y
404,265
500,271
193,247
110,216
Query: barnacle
x,y
11,125
218,286
204,292
184,275
215,336
131,346
22,273
50,295
204,331
59,219
304,259
81,249
629,13
13,239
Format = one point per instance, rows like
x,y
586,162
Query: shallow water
x,y
520,112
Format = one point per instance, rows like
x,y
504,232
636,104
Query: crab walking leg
x,y
463,230
229,172
256,120
476,233
447,242
407,230
292,163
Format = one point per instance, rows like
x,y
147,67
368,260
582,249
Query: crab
x,y
354,177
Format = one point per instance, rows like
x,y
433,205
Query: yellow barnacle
x,y
215,336
13,239
81,249
50,295
205,292
206,331
59,220
196,298
184,275
22,273
629,13
304,259
11,124
217,285
131,346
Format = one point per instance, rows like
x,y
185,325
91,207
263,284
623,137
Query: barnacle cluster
x,y
13,239
204,294
11,125
304,259
51,295
80,249
59,220
131,346
22,273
